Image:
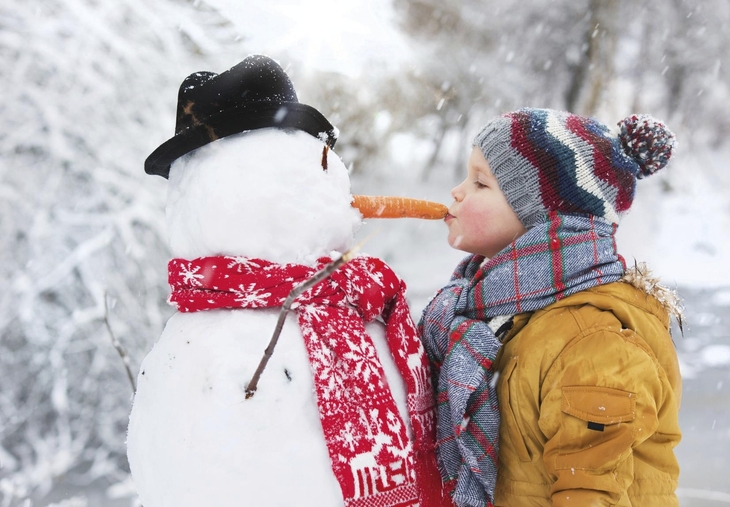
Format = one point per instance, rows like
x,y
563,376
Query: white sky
x,y
330,35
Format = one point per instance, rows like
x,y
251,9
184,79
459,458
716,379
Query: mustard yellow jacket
x,y
589,391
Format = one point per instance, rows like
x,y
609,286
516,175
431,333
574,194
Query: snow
x,y
76,501
716,355
193,437
245,194
693,362
722,298
680,222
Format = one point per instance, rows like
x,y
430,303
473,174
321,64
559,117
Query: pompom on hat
x,y
256,93
554,161
647,141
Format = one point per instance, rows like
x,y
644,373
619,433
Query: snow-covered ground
x,y
704,352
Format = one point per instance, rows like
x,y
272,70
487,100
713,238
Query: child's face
x,y
480,220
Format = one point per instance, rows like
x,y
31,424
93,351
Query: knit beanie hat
x,y
547,160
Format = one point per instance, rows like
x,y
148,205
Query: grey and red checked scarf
x,y
563,255
372,457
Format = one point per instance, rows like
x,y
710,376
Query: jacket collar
x,y
638,293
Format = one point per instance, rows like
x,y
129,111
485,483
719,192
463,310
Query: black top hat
x,y
254,94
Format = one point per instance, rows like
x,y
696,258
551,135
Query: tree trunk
x,y
596,68
464,148
438,141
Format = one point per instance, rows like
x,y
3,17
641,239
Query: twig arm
x,y
299,289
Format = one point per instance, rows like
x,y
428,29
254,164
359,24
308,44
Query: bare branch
x,y
118,345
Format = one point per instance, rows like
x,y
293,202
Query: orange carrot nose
x,y
372,206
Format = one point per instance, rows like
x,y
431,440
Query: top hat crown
x,y
254,94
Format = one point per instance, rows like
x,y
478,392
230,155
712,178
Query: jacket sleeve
x,y
599,402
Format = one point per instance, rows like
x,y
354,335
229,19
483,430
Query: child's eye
x,y
479,184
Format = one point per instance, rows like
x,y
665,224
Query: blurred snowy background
x,y
90,90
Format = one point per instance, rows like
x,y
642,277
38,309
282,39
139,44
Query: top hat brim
x,y
245,117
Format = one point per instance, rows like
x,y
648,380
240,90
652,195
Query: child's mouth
x,y
448,217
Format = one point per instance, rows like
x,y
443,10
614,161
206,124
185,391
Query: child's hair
x,y
546,160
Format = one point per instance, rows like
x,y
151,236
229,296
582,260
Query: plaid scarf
x,y
460,330
375,462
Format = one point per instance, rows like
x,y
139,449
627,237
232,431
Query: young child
x,y
558,382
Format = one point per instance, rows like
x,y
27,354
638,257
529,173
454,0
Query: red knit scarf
x,y
367,440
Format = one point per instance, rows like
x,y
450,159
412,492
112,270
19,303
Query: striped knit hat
x,y
546,160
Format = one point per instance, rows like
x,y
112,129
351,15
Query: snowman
x,y
344,411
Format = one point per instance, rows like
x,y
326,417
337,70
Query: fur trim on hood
x,y
641,277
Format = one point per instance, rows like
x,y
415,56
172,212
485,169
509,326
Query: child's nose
x,y
457,193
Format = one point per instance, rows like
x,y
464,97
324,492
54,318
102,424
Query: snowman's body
x,y
194,439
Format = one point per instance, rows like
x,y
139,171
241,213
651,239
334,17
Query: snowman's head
x,y
262,194
252,173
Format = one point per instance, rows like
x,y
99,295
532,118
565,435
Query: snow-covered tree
x,y
89,90
605,58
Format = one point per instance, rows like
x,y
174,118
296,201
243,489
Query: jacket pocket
x,y
506,403
596,430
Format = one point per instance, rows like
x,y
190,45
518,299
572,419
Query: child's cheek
x,y
474,226
476,218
